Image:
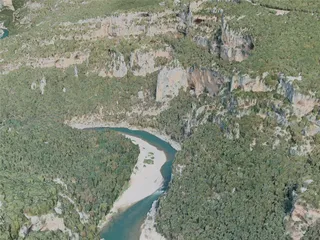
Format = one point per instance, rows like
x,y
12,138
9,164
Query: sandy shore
x,y
145,179
78,123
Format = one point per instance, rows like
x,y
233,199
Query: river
x,y
5,33
126,226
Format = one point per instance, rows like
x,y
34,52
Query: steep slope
x,y
236,82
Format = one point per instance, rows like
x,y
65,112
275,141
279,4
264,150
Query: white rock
x,y
170,81
33,85
303,189
117,66
141,95
43,83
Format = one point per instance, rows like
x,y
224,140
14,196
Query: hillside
x,y
235,82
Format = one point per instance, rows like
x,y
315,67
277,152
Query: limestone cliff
x,y
6,4
247,83
170,81
143,62
302,104
203,80
232,45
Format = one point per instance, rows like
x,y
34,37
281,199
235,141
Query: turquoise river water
x,y
126,226
5,34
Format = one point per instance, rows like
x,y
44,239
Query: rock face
x,y
6,4
302,104
301,218
59,61
227,44
42,85
247,83
117,67
170,81
144,62
234,46
123,25
201,80
185,20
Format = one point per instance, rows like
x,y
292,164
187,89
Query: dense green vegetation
x,y
173,120
226,191
294,5
84,94
94,165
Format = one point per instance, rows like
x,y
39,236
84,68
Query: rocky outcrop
x,y
48,222
116,67
247,83
42,85
202,80
212,82
301,218
121,25
185,20
170,81
231,45
302,104
227,44
58,61
6,4
143,62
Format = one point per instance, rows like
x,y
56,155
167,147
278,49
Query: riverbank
x,y
145,179
82,124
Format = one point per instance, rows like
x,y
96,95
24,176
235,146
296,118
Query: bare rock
x,y
6,4
144,62
234,46
203,80
42,85
301,218
302,104
33,85
247,83
170,81
141,95
117,67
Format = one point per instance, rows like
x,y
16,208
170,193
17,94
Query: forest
x,y
94,166
229,191
235,183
